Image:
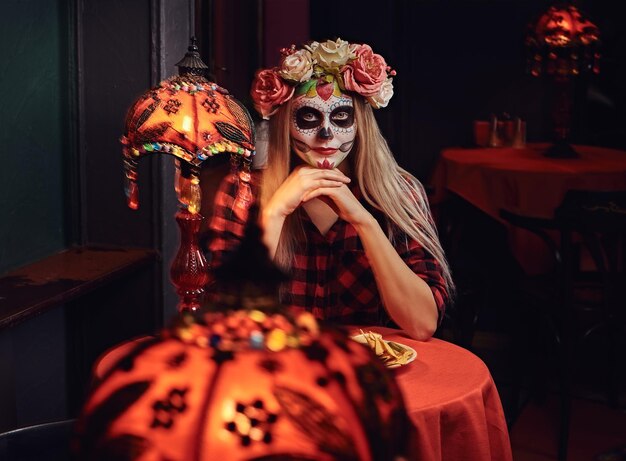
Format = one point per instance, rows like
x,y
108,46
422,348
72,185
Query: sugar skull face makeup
x,y
322,128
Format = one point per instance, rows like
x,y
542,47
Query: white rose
x,y
297,66
381,99
312,46
332,55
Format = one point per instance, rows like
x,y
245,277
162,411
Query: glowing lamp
x,y
191,119
562,44
246,380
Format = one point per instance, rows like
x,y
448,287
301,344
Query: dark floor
x,y
597,431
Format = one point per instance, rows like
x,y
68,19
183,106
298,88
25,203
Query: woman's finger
x,y
318,183
320,191
327,174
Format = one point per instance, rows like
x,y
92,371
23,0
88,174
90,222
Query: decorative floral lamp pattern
x,y
246,380
191,119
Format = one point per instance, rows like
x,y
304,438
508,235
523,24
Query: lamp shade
x,y
244,385
563,41
190,118
246,380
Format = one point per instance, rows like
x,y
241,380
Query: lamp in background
x,y
246,380
563,44
191,119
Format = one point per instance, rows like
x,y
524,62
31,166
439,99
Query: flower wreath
x,y
353,67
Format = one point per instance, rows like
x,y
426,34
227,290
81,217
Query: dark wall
x,y
458,60
33,129
70,70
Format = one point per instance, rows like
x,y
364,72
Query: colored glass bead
x,y
276,340
148,147
256,340
292,341
215,340
257,316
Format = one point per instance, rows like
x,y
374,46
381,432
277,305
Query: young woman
x,y
351,228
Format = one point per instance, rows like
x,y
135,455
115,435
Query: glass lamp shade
x,y
190,118
562,41
246,379
246,385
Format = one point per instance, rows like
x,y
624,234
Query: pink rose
x,y
269,91
366,73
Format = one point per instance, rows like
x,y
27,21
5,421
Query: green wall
x,y
34,129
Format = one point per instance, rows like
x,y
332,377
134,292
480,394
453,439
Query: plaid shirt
x,y
331,275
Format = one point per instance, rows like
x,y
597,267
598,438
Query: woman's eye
x,y
343,116
308,118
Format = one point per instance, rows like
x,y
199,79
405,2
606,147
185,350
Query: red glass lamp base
x,y
189,271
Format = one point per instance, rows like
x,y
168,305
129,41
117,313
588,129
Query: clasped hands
x,y
306,183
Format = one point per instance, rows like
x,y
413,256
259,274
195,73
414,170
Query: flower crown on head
x,y
347,66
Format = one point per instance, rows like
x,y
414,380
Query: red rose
x,y
269,91
366,73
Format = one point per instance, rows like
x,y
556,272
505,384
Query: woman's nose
x,y
325,133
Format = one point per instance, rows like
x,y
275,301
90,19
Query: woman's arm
x,y
407,298
302,181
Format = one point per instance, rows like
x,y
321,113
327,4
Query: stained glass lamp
x,y
563,44
246,380
191,119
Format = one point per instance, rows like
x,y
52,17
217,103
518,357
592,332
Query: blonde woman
x,y
351,227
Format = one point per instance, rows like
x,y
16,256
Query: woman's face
x,y
322,130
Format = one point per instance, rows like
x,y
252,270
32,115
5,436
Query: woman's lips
x,y
325,150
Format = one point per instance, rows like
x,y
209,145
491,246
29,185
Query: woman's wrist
x,y
365,222
271,214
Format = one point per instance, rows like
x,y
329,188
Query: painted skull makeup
x,y
322,128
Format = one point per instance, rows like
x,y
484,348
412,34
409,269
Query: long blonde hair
x,y
384,184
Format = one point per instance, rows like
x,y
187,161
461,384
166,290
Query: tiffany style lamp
x,y
191,119
246,380
563,44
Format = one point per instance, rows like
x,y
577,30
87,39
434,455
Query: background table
x,y
525,182
453,402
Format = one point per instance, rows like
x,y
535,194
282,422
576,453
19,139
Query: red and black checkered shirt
x,y
331,275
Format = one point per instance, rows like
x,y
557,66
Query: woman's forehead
x,y
323,105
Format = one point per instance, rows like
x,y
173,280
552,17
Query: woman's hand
x,y
291,193
303,181
343,202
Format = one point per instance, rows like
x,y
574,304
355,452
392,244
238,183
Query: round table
x,y
448,392
453,402
525,182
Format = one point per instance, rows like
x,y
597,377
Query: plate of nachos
x,y
392,354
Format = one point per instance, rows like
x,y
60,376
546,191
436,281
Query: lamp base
x,y
560,149
189,271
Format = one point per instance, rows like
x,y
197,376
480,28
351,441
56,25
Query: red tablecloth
x,y
449,395
525,182
453,402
